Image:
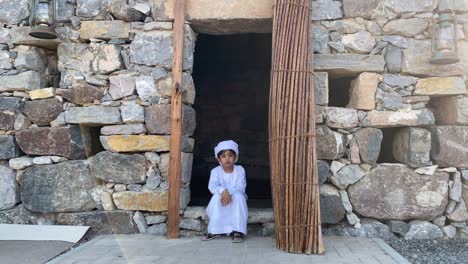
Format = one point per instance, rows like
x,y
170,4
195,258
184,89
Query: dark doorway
x,y
232,80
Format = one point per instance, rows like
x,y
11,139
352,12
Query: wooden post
x,y
176,122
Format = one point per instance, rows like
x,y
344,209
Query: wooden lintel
x,y
176,122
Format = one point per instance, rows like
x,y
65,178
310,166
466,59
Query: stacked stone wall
x,y
84,119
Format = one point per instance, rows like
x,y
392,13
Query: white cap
x,y
225,145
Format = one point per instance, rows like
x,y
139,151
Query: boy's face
x,y
227,159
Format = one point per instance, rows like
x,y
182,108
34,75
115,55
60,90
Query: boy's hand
x,y
225,198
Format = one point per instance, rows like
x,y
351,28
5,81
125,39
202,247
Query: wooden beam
x,y
176,122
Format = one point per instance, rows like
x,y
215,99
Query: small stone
x,y
153,157
399,227
121,86
20,163
93,115
157,26
412,146
153,180
331,209
131,129
440,86
195,212
347,175
440,221
362,94
8,147
449,231
397,41
42,93
135,143
190,224
338,117
400,81
155,219
346,203
120,187
146,88
42,160
361,42
9,190
336,166
460,212
144,201
104,29
159,229
455,192
423,230
140,221
430,170
107,202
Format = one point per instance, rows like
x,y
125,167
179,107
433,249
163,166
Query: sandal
x,y
209,236
237,237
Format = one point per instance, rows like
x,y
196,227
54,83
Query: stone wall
x,y
91,146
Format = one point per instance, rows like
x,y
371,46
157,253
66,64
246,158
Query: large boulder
x,y
449,146
101,222
63,187
68,142
9,190
331,208
118,168
395,192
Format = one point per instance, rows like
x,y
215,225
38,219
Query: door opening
x,y
232,80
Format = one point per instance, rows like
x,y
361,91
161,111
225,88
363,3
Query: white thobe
x,y
232,217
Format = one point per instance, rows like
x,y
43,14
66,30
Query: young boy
x,y
227,209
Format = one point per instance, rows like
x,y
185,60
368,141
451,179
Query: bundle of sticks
x,y
293,160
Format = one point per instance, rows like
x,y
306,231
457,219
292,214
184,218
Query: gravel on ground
x,y
432,251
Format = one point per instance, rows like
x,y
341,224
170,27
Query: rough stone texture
x,y
186,166
42,112
157,219
20,215
190,224
101,222
345,26
369,228
338,117
154,48
406,27
62,187
330,144
398,118
132,113
20,36
456,188
158,117
67,141
358,8
24,81
142,201
442,86
188,87
399,227
82,93
368,141
347,175
42,93
412,146
449,146
362,94
460,213
8,147
323,171
7,120
401,6
416,60
319,36
10,103
331,207
20,163
146,88
13,12
393,58
340,65
326,10
95,57
423,230
159,229
403,196
140,221
361,42
121,86
118,168
133,129
105,29
321,88
135,143
9,190
93,116
450,110
399,81
30,59
92,9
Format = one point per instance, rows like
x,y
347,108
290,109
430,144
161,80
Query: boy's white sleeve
x,y
214,185
240,184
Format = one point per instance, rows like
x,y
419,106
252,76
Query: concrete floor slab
x,y
155,249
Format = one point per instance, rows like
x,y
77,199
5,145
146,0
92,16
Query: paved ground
x,y
31,252
115,249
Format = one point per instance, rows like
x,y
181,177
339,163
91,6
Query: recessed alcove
x,y
232,80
